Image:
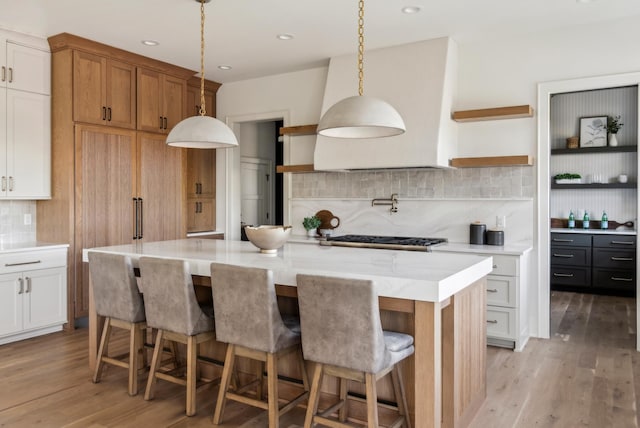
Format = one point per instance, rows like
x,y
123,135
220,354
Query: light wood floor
x,y
585,375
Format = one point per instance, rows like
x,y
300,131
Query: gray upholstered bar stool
x,y
171,307
117,298
342,332
248,319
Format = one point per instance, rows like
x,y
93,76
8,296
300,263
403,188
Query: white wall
x,y
492,72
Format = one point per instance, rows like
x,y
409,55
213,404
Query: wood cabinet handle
x,y
21,286
617,278
562,240
492,321
165,123
623,242
566,256
104,113
135,218
622,259
109,114
141,219
492,290
563,275
160,122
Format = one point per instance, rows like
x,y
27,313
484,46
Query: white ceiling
x,y
242,33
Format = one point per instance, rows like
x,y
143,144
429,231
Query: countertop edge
x,y
30,246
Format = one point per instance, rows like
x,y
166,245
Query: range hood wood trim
x,y
294,168
299,130
520,160
510,112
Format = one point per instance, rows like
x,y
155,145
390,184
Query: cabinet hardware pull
x,y
23,263
109,114
160,122
165,123
563,275
492,321
21,286
198,188
617,278
567,256
141,219
135,218
4,73
11,183
196,191
4,183
622,259
28,284
492,290
622,242
104,113
562,240
10,74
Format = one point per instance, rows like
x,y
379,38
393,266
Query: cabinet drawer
x,y
614,241
570,240
30,260
501,322
614,279
505,265
614,258
501,290
578,276
576,256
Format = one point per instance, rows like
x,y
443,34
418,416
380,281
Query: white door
x,y
256,183
10,303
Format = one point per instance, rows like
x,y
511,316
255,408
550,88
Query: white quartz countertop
x,y
29,246
425,276
596,231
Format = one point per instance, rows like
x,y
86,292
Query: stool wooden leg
x,y
224,383
344,410
303,371
133,359
372,400
312,407
106,332
272,386
260,376
192,370
401,398
155,365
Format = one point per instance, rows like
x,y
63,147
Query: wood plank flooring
x,y
587,375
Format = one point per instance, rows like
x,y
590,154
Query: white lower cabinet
x,y
33,293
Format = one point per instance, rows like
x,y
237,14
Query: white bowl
x,y
268,238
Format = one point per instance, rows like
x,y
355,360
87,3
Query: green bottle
x,y
585,220
572,220
604,223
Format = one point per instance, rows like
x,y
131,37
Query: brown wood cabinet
x,y
100,173
201,190
161,101
104,91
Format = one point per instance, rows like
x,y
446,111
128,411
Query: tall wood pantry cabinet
x,y
112,182
201,164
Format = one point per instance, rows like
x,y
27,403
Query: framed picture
x,y
593,131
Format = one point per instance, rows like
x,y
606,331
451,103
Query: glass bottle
x,y
572,220
604,223
585,220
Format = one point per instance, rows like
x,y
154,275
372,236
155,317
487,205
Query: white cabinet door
x,y
28,142
3,136
10,304
28,69
44,297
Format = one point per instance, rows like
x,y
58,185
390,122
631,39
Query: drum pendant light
x,y
202,132
361,116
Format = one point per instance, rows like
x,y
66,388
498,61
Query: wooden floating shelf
x,y
521,160
294,168
583,150
511,112
299,130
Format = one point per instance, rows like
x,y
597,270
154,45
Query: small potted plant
x,y
311,224
568,178
613,126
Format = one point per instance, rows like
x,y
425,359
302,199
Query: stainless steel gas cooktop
x,y
384,242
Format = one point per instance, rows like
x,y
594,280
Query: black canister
x,y
476,233
495,237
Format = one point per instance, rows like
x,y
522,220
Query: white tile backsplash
x,y
12,227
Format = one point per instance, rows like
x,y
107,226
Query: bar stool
x,y
248,319
342,333
172,308
117,298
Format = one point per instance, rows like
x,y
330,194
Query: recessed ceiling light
x,y
284,36
411,9
150,43
585,1
225,67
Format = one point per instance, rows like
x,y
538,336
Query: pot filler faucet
x,y
393,202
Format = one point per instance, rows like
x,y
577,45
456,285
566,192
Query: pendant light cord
x,y
361,47
203,107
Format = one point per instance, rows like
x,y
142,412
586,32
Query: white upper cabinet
x,y
25,117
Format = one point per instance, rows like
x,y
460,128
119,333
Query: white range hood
x,y
419,80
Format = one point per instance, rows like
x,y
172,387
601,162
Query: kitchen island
x,y
438,298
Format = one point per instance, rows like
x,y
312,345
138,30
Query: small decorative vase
x,y
311,233
613,141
